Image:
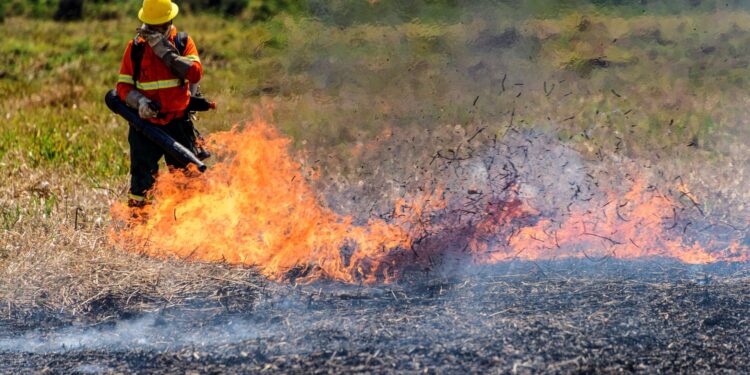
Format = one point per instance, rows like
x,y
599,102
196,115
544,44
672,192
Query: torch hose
x,y
152,132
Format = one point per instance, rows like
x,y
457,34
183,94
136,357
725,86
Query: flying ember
x,y
255,207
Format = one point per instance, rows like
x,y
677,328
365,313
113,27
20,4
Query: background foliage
x,y
600,73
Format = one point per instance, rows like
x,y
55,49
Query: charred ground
x,y
559,317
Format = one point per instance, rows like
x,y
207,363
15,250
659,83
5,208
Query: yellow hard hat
x,y
157,12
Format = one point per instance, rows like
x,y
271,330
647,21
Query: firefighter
x,y
155,79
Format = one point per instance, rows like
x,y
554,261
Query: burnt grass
x,y
554,317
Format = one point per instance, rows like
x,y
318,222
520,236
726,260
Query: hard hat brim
x,y
158,21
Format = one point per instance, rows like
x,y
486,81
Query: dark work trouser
x,y
145,155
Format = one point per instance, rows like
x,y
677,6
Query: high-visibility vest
x,y
155,80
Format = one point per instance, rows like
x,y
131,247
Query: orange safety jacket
x,y
157,82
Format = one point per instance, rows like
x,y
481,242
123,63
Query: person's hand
x,y
145,32
144,108
159,42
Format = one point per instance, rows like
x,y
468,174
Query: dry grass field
x,y
364,103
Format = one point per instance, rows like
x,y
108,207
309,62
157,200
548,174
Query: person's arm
x,y
125,82
195,71
126,87
186,67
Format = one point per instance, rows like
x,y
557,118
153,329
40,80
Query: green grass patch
x,y
650,80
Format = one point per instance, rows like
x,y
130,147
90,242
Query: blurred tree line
x,y
71,10
344,12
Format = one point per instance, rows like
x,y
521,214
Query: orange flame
x,y
254,207
634,225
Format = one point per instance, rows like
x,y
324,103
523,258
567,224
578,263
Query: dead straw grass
x,y
55,257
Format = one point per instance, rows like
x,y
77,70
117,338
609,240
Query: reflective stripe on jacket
x,y
157,82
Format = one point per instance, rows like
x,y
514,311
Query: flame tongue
x,y
633,225
254,207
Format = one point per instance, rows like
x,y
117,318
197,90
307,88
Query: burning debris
x,y
524,196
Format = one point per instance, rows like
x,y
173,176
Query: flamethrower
x,y
158,136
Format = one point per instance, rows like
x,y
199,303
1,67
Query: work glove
x,y
144,108
159,42
137,100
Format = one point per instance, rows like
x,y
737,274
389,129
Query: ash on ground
x,y
523,317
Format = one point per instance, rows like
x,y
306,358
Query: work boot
x,y
137,201
139,212
134,203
